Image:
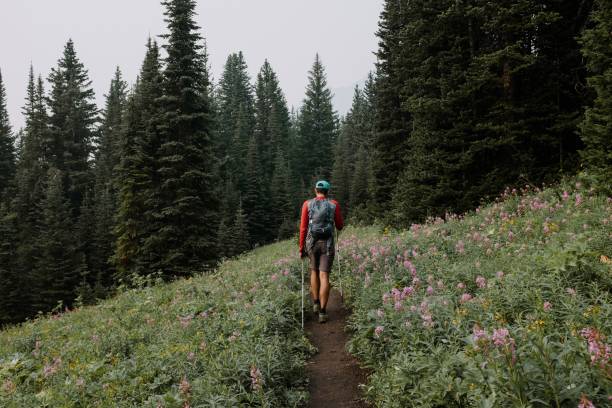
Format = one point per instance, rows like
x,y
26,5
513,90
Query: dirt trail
x,y
334,374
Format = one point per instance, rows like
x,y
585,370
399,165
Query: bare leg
x,y
314,284
324,290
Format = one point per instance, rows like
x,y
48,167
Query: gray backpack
x,y
321,219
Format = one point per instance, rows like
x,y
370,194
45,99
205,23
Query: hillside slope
x,y
508,306
233,338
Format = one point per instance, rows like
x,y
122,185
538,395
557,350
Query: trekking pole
x,y
339,265
302,262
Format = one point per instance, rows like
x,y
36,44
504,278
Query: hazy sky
x,y
108,33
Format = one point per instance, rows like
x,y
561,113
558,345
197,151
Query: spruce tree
x,y
137,180
596,128
60,264
282,214
236,120
318,125
272,117
392,120
108,158
30,191
7,144
255,197
240,233
187,211
73,115
13,298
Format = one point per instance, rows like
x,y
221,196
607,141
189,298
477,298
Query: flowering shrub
x,y
229,339
507,306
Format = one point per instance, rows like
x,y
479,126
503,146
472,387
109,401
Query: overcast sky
x,y
108,33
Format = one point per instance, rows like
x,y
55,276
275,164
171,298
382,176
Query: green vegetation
x,y
227,339
506,306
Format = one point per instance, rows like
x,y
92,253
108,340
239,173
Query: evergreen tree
x,y
73,115
60,264
239,233
272,117
186,216
30,192
596,129
392,120
7,144
108,159
318,125
255,197
282,215
136,178
236,119
12,305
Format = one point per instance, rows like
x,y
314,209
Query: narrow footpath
x,y
334,374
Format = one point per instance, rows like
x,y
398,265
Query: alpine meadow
x,y
164,249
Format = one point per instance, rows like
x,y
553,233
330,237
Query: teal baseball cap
x,y
323,185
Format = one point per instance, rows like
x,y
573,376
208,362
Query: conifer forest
x,y
175,172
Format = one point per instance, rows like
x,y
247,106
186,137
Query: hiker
x,y
319,216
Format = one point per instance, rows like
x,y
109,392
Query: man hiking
x,y
319,216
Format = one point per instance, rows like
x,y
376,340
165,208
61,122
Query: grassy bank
x,y
228,339
508,306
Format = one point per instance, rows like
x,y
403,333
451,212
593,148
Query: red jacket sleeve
x,y
338,220
303,225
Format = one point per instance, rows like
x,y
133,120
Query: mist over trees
x,y
176,172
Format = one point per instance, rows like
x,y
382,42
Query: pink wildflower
x,y
430,290
547,306
600,352
256,378
466,297
481,282
578,199
427,320
407,291
479,335
565,196
461,285
378,331
380,313
510,235
571,291
585,402
460,247
50,369
184,387
286,272
398,306
499,274
501,337
274,277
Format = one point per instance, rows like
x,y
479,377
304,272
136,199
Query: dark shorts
x,y
319,260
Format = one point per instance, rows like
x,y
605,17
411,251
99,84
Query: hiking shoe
x,y
323,317
316,307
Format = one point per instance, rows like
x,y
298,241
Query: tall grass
x,y
228,339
